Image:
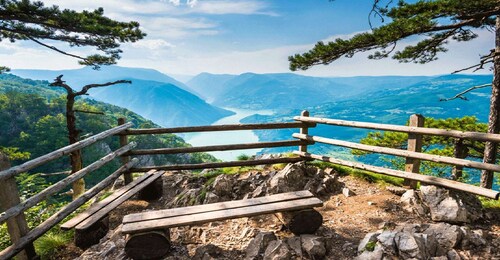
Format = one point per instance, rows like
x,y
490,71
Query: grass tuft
x,y
48,245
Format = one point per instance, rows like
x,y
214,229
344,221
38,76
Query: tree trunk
x,y
76,156
490,149
461,152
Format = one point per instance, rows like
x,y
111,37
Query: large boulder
x,y
451,206
277,250
313,246
292,178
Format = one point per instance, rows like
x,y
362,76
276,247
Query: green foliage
x,y
50,243
31,20
243,157
370,246
437,21
13,153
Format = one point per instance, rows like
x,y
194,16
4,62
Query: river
x,y
228,137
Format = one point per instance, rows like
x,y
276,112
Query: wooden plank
x,y
217,147
115,203
414,145
210,128
167,213
61,152
60,185
403,153
454,185
405,129
17,226
218,165
67,210
103,203
221,215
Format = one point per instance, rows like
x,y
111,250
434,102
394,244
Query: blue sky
x,y
235,36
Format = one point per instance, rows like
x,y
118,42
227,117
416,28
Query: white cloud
x,y
153,44
231,7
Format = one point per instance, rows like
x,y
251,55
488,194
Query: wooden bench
x,y
148,236
93,223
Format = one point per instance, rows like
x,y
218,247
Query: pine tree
x,y
438,22
31,20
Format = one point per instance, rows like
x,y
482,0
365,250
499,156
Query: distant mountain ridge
x,y
152,94
287,90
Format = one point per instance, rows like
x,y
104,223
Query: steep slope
x,y
152,94
163,103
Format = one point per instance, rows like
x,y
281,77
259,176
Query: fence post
x,y
461,152
414,145
124,159
304,130
16,226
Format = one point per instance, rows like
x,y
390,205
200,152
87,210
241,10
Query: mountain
x,y
163,103
87,75
33,121
287,90
391,106
152,94
210,86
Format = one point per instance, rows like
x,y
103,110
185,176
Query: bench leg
x,y
301,222
85,238
148,245
153,191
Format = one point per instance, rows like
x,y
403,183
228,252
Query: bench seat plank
x,y
229,213
116,202
166,213
101,204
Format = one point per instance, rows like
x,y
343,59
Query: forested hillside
x,y
33,123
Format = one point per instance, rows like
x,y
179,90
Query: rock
x,y
277,250
260,191
412,203
295,246
453,255
367,241
292,178
207,252
396,190
448,236
376,254
211,197
258,245
347,192
313,246
451,206
223,185
387,242
410,246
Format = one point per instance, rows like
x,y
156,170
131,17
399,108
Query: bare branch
x,y
58,82
55,49
461,94
87,87
483,61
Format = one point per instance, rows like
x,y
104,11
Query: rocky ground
x,y
360,220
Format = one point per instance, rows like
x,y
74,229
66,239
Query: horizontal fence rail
x,y
455,185
61,152
402,153
211,128
485,137
218,164
227,147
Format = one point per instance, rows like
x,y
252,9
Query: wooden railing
x,y
22,238
412,155
13,208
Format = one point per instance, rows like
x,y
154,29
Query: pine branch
x,y
461,94
483,61
58,82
